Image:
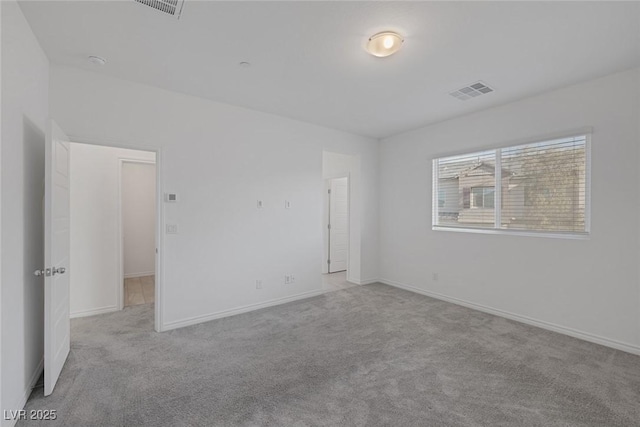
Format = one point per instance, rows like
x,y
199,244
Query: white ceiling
x,y
308,61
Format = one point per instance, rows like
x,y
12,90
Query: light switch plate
x,y
170,197
172,228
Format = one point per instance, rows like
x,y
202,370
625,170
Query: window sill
x,y
556,235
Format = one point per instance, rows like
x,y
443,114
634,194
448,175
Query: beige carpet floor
x,y
365,356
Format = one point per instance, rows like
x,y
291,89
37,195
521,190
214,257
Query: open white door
x,y
338,224
56,256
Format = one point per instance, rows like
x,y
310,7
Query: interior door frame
x,y
326,217
121,162
159,271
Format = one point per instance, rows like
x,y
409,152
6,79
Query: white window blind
x,y
536,187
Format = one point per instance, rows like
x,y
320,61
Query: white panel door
x,y
56,256
338,224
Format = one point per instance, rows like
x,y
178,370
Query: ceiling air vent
x,y
170,7
471,91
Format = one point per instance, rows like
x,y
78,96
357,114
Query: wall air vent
x,y
471,91
170,7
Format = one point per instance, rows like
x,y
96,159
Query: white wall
x,y
25,77
588,288
1,382
139,219
95,240
220,160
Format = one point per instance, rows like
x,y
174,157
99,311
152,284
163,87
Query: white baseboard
x,y
363,282
238,310
94,311
586,336
25,395
143,274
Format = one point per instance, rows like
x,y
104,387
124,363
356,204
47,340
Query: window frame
x,y
581,235
443,198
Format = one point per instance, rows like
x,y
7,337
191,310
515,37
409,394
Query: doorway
x,y
337,215
113,231
137,230
81,251
341,221
338,225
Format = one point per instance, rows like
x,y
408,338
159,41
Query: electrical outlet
x,y
258,284
435,277
287,279
287,204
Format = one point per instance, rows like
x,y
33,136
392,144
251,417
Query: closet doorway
x,y
138,223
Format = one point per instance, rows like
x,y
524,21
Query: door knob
x,y
49,272
46,272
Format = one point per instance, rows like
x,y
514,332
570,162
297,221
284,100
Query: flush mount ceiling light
x,y
384,44
97,60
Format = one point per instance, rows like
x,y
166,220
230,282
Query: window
x,y
482,197
532,188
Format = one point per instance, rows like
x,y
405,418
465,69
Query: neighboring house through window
x,y
536,187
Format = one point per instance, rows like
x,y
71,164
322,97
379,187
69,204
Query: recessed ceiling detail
x,y
472,91
170,7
